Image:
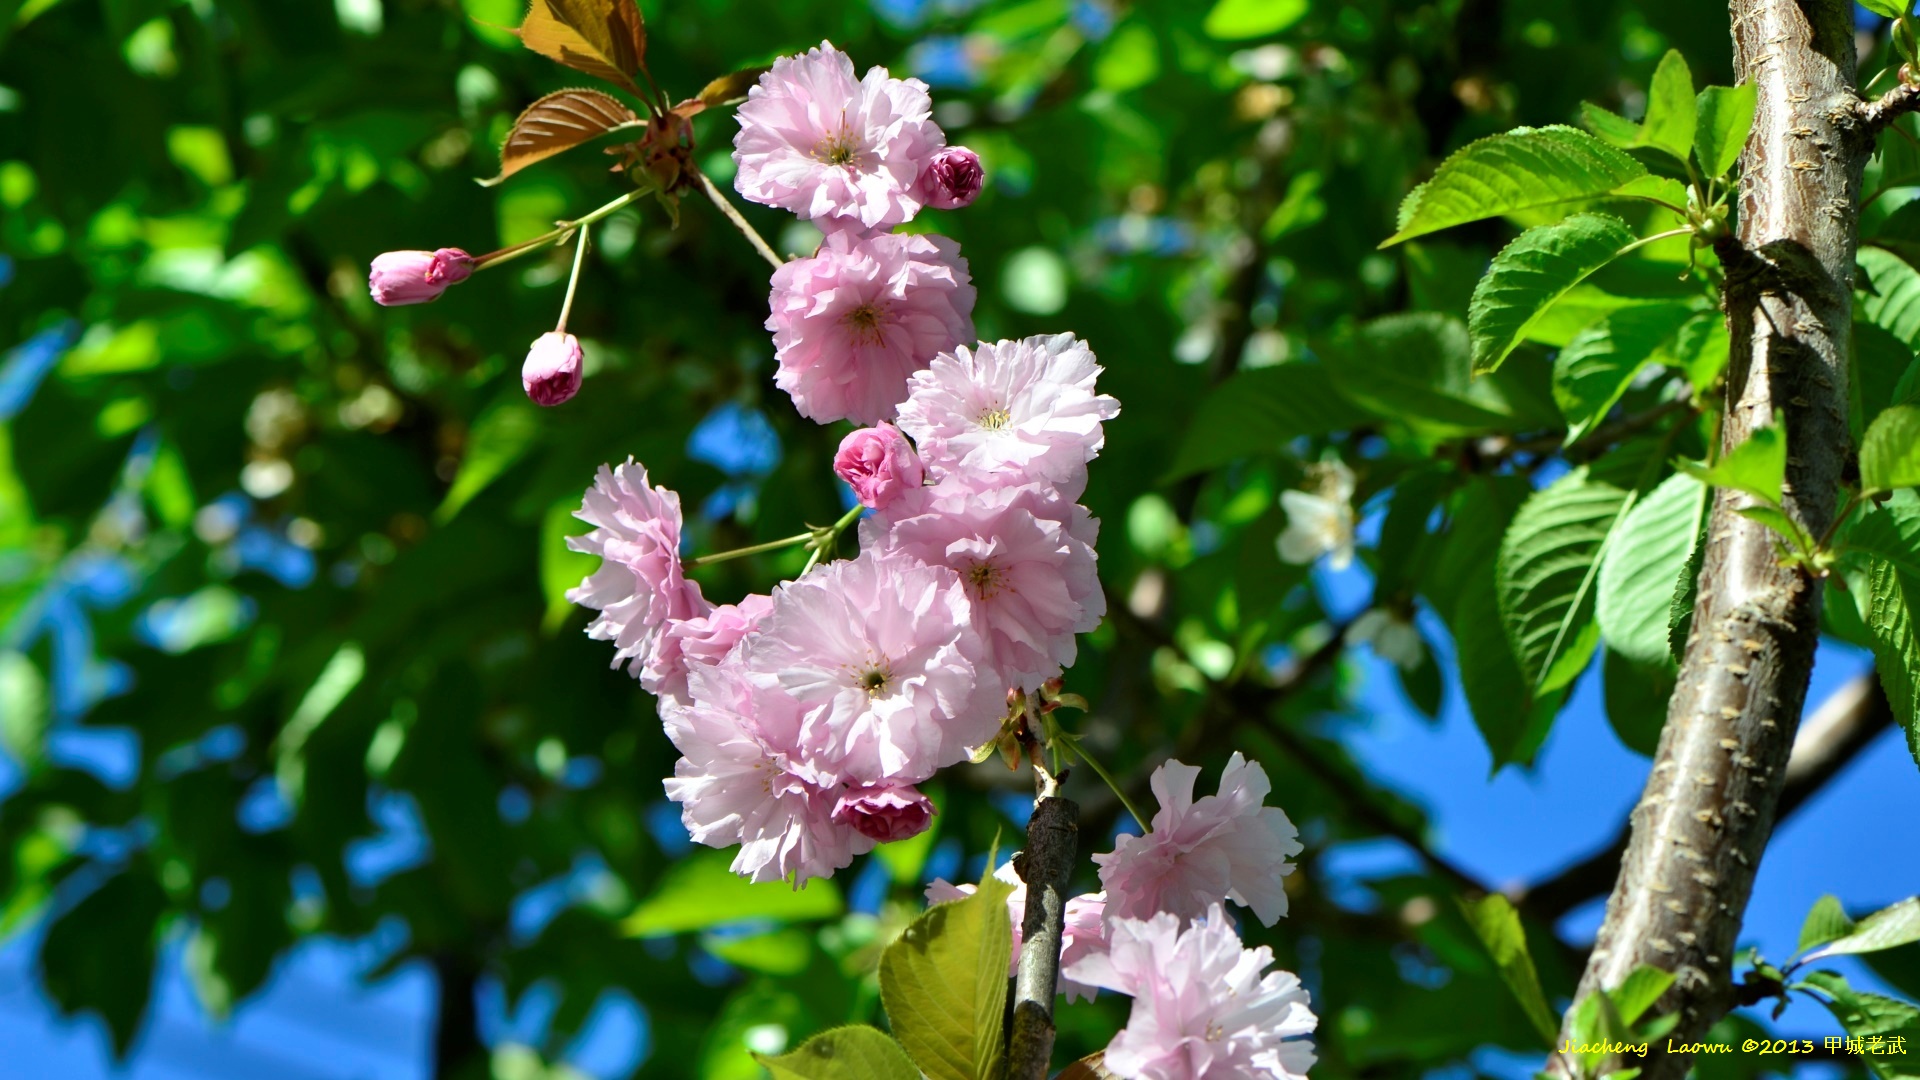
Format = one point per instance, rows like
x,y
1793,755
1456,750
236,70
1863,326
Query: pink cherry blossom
x,y
883,658
815,141
742,780
415,277
951,179
1204,1006
1083,930
703,640
879,464
551,373
852,322
639,586
1011,411
884,812
1027,559
1222,847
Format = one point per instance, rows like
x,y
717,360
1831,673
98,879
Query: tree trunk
x,y
458,1053
1704,818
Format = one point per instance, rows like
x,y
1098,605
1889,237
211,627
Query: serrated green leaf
x,y
1865,1015
854,1052
1238,20
700,891
1669,124
1414,367
1260,411
1891,9
1548,563
1637,578
1890,453
1636,697
1700,349
944,984
1533,272
1519,170
1497,924
1725,117
1889,928
1757,466
1777,520
1686,591
1825,921
1893,598
1598,365
1894,303
1878,363
1611,126
1892,533
1638,991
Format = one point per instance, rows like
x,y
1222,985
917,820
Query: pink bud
x,y
415,277
952,179
552,371
884,812
879,464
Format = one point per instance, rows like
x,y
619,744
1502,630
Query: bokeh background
x,y
308,771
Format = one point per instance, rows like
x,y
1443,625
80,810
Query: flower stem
x,y
558,234
828,537
573,280
1073,743
771,545
733,214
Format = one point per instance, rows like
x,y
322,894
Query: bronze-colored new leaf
x,y
724,90
604,38
1091,1067
560,121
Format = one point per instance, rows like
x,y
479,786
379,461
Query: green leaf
x,y
1879,362
785,951
1891,9
1826,921
24,708
501,436
1889,928
1893,599
1636,699
1548,563
1598,365
1238,20
1890,453
1669,125
1260,411
1414,367
1686,591
1637,993
1865,1015
1130,59
1531,273
1700,349
855,1052
1611,126
1900,233
1757,466
1519,170
561,568
1892,533
99,956
700,891
1497,925
1894,302
1301,207
1637,577
1725,117
944,984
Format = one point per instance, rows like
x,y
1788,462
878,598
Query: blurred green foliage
x,y
336,532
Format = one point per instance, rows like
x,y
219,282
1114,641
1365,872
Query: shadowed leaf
x,y
559,122
603,38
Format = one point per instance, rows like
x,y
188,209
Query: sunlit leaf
x,y
603,38
700,891
559,122
1890,453
1549,562
1521,169
856,1052
1725,117
1669,125
944,984
1531,273
1637,577
1598,365
1889,928
1236,20
1497,924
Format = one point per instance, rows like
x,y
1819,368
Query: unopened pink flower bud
x,y
879,464
884,812
552,371
952,179
415,277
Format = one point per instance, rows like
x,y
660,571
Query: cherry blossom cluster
x,y
1204,1006
856,156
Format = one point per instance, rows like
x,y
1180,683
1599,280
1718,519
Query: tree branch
x,y
1711,796
1845,724
1045,865
1890,106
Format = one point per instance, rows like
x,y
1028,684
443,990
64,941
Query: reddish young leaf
x,y
724,90
1091,1067
560,121
604,38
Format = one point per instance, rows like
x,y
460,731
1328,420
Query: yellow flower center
x,y
995,418
864,323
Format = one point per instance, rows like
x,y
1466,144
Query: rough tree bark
x,y
1045,866
1709,804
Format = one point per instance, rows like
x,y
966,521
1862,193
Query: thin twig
x,y
733,214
